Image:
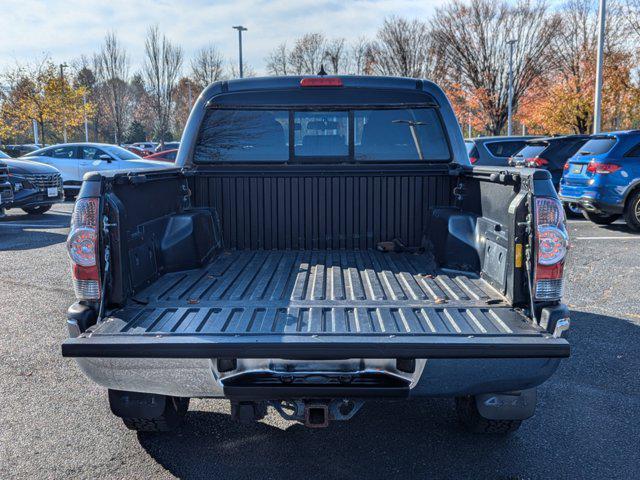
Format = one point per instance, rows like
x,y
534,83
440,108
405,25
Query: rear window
x,y
469,146
505,149
531,151
597,146
339,135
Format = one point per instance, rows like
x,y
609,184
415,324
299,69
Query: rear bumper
x,y
592,204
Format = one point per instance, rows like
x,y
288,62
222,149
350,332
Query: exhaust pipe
x,y
316,415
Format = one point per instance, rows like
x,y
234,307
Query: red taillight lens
x,y
321,82
537,162
566,166
597,167
473,160
82,246
551,249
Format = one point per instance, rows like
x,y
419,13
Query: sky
x,y
67,29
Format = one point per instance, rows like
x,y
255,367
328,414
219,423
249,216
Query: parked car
x,y
604,178
138,151
167,146
165,156
316,274
148,147
494,150
74,160
16,151
6,190
35,186
551,154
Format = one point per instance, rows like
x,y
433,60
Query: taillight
x,y
566,166
537,162
82,246
473,160
597,167
551,249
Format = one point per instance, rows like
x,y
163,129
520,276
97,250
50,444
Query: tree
x,y
112,71
207,66
135,133
361,57
563,100
335,56
185,95
277,62
307,54
473,41
161,69
402,48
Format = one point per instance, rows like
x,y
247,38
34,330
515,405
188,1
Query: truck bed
x,y
364,302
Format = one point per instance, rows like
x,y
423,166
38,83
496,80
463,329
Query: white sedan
x,y
75,159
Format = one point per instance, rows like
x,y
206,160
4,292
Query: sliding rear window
x,y
245,135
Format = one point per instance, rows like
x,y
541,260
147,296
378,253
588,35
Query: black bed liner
x,y
318,304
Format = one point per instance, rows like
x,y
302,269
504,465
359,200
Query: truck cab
x,y
320,242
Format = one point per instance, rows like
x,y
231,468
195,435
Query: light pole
x,y
240,29
510,105
64,113
86,123
597,110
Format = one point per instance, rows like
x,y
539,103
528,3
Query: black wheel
x,y
70,195
37,210
572,210
171,418
599,218
632,212
472,421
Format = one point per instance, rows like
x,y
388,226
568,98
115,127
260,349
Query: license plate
x,y
576,169
52,192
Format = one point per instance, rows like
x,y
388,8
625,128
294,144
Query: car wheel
x,y
473,422
573,210
37,210
632,212
599,218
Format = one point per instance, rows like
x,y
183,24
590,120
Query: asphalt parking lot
x,y
55,423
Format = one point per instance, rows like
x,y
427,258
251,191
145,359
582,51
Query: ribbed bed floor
x,y
244,292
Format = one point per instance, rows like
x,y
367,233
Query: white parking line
x,y
606,238
33,225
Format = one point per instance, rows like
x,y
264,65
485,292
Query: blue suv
x,y
603,177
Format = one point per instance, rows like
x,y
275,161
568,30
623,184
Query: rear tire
x,y
38,210
473,422
572,210
599,218
632,212
172,417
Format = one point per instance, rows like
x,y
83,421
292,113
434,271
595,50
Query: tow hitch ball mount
x,y
313,413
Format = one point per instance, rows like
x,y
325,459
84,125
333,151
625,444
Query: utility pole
x,y
597,110
240,29
64,113
86,123
510,105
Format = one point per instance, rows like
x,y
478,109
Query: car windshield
x,y
122,153
377,135
531,151
597,146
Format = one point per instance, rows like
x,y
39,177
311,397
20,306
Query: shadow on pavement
x,y
590,403
15,239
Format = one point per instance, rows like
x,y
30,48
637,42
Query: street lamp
x,y
240,29
510,105
64,113
597,110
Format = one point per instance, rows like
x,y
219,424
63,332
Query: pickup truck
x,y
321,241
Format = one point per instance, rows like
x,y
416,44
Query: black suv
x,y
34,187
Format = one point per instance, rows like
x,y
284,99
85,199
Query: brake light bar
x,y
82,247
321,82
604,168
